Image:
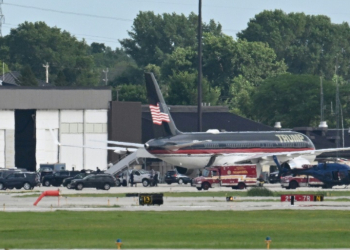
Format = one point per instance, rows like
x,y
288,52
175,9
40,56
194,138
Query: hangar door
x,y
25,139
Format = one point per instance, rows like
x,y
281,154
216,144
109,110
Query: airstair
x,y
128,160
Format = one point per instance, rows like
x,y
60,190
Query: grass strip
x,y
176,229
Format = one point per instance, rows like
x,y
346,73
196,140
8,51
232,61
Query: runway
x,y
12,201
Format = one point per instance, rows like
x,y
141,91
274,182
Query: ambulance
x,y
237,177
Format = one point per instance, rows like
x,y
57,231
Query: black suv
x,y
98,181
66,182
174,177
27,180
57,178
274,177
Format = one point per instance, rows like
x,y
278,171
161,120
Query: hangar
x,y
76,115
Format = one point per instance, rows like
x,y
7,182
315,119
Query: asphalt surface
x,y
13,200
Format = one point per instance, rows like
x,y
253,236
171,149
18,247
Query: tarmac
x,y
13,200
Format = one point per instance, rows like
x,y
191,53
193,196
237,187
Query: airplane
x,y
197,150
331,174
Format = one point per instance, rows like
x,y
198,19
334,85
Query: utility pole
x,y
47,71
200,66
2,18
322,116
106,76
337,106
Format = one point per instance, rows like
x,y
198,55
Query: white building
x,y
76,117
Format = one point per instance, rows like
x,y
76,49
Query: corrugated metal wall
x,y
7,138
72,127
46,149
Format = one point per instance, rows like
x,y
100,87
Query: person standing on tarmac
x,y
155,179
132,179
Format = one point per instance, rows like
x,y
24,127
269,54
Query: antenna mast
x,y
106,76
47,71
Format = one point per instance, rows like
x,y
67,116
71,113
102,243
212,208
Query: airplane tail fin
x,y
163,124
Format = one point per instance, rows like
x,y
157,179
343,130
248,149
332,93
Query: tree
x,y
293,100
224,59
183,89
154,36
308,44
27,77
61,79
130,93
36,43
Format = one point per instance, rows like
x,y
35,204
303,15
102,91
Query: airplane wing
x,y
290,154
117,150
123,144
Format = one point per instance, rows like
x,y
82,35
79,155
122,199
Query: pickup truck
x,y
57,178
140,176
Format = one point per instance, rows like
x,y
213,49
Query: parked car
x,y
140,176
173,176
274,178
98,181
27,180
66,182
57,178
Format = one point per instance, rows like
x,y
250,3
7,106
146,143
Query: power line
x,y
70,13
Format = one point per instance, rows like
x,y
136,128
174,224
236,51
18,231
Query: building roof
x,y
9,78
55,98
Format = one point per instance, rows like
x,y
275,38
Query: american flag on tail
x,y
157,116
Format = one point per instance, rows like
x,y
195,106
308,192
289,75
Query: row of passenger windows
x,y
253,145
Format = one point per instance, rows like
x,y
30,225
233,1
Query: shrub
x,y
259,191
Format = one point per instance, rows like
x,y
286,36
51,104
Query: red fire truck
x,y
237,177
292,182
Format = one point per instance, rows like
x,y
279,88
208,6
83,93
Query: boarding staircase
x,y
128,160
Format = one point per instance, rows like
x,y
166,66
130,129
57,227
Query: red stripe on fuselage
x,y
228,151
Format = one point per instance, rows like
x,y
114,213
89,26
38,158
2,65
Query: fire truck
x,y
237,177
292,182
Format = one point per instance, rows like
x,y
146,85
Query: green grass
x,y
192,229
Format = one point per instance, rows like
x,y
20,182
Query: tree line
x,y
271,72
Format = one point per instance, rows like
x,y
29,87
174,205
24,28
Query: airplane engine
x,y
185,171
295,163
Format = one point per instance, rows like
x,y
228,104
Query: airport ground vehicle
x,y
292,182
98,181
237,177
27,180
172,176
57,178
49,169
